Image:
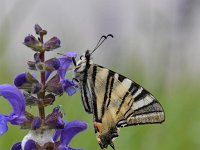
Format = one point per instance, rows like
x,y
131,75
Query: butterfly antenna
x,y
101,40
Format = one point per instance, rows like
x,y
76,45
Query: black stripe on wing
x,y
85,91
149,114
108,91
85,95
94,98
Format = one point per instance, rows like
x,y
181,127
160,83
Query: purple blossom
x,y
17,146
54,120
66,135
17,101
30,145
61,138
65,61
20,79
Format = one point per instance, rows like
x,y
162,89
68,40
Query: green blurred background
x,y
156,44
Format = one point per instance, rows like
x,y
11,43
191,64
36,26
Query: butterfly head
x,y
84,62
85,59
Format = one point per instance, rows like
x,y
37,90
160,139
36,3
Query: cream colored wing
x,y
118,101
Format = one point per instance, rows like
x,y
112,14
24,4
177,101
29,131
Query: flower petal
x,y
70,130
65,62
3,124
30,145
16,146
57,134
68,148
17,101
36,123
69,87
47,74
52,64
20,79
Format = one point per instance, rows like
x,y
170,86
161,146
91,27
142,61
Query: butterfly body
x,y
114,100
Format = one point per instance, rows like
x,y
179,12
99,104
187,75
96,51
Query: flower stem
x,y
43,79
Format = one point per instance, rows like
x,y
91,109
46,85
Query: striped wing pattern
x,y
127,100
116,101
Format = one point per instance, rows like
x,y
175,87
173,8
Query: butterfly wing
x,y
118,101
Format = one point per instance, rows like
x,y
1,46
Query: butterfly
x,y
114,100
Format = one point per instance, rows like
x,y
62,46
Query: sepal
x,y
54,85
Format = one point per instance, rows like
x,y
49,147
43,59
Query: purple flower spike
x,y
70,130
17,101
16,146
30,145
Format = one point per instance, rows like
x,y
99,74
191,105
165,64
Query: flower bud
x,y
54,85
52,44
20,79
33,43
37,29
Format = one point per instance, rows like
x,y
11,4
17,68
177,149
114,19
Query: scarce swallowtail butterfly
x,y
114,100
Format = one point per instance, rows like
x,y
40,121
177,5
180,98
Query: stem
x,y
43,80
